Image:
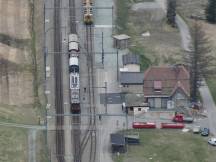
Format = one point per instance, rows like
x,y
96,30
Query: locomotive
x,y
88,12
73,48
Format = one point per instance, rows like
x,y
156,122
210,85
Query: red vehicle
x,y
182,118
141,125
172,125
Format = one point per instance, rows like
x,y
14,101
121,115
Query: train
x,y
88,12
74,79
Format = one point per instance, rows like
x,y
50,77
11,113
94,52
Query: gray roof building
x,y
131,78
131,59
134,100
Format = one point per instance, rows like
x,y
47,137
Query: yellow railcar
x,y
88,13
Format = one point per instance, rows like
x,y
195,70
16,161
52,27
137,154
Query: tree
x,y
199,59
171,12
211,11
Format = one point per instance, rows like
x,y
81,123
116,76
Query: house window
x,y
157,86
131,108
139,109
179,96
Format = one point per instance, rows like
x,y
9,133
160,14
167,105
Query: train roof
x,y
72,38
73,61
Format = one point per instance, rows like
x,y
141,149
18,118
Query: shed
x,y
130,59
127,78
131,62
121,41
118,143
131,82
135,104
132,139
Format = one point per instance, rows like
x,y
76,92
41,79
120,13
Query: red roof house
x,y
167,86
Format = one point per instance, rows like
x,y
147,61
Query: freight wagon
x,y
141,125
172,125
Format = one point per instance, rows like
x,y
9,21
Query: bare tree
x,y
199,59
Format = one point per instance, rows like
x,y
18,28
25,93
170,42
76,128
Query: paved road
x,y
107,74
185,33
209,105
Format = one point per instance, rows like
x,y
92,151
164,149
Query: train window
x,y
72,79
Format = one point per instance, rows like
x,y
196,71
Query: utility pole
x,y
105,104
112,21
102,59
117,68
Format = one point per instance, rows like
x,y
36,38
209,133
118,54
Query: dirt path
x,y
32,145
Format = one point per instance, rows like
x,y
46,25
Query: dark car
x,y
205,132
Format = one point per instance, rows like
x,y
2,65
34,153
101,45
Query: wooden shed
x,y
118,143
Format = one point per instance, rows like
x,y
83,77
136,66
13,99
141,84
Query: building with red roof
x,y
167,87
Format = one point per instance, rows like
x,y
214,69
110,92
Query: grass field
x,y
187,8
163,46
169,146
13,145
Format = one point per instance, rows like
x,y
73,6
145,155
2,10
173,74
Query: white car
x,y
212,141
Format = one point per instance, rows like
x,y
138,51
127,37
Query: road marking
x,y
103,26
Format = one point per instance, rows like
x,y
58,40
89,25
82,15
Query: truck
x,y
182,118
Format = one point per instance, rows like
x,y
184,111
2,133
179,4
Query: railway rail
x,y
58,85
75,121
90,134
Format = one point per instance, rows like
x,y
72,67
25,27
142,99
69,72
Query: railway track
x,y
75,122
58,84
90,134
72,15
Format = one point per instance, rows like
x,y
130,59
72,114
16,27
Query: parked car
x,y
205,132
196,129
182,118
212,141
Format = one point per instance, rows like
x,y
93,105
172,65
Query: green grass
x,y
122,15
13,145
212,87
144,61
163,45
169,146
137,1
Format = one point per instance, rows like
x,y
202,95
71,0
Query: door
x,y
157,103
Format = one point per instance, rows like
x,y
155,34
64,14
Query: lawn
x,y
169,146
